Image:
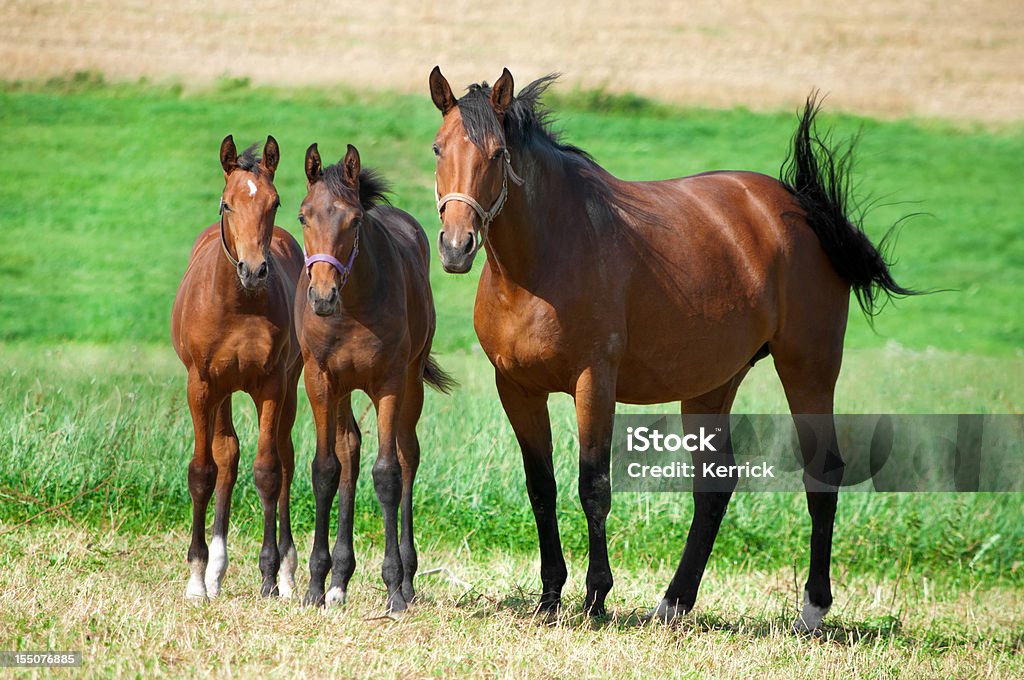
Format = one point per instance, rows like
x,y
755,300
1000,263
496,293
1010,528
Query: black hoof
x,y
312,599
549,604
396,603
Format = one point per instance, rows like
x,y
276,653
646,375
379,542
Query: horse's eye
x,y
302,219
437,151
498,154
277,204
225,207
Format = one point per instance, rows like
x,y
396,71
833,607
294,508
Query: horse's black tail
x,y
436,377
819,178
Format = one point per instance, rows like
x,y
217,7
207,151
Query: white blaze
x,y
252,187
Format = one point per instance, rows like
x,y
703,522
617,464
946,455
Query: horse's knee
x,y
387,481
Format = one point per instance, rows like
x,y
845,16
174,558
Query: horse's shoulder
x,y
205,236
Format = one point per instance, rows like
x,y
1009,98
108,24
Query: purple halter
x,y
343,269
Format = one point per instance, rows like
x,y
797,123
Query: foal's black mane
x,y
249,161
373,188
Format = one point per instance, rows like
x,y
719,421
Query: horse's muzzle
x,y
457,255
253,278
323,304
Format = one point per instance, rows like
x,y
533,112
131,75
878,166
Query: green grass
x,y
74,415
104,187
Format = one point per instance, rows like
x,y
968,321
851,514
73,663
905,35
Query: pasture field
x,y
101,193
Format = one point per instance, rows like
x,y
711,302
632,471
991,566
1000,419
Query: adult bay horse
x,y
647,292
232,327
365,319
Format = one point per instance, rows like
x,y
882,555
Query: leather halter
x,y
223,239
486,216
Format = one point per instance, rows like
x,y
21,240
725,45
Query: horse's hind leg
x,y
286,452
808,372
202,477
710,499
225,453
266,470
347,443
409,457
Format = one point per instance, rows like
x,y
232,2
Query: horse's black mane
x,y
525,121
249,161
373,188
527,124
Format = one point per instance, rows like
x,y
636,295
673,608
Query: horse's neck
x,y
528,236
365,275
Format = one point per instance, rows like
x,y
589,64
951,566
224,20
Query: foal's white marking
x,y
286,582
335,596
252,187
217,565
196,589
810,618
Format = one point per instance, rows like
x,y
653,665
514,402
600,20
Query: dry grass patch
x,y
118,598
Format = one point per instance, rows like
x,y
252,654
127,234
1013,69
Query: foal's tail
x,y
437,377
818,176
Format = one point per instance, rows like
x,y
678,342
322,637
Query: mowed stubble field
x,y
105,186
877,57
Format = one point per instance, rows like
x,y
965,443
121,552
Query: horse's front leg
x,y
266,470
528,414
326,470
202,477
387,482
595,413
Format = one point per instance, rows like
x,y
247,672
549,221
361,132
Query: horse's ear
x,y
352,167
271,156
501,93
440,91
314,168
228,155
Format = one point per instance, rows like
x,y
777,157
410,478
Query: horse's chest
x,y
250,349
527,344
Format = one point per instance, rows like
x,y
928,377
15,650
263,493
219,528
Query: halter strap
x,y
223,239
486,216
343,269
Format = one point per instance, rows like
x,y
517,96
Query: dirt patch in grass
x,y
879,57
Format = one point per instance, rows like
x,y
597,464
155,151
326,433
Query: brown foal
x,y
365,319
232,328
647,292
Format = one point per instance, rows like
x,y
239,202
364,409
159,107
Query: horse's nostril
x,y
243,269
261,273
470,242
334,295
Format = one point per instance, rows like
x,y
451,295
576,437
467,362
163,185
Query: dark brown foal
x,y
647,292
365,318
232,326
